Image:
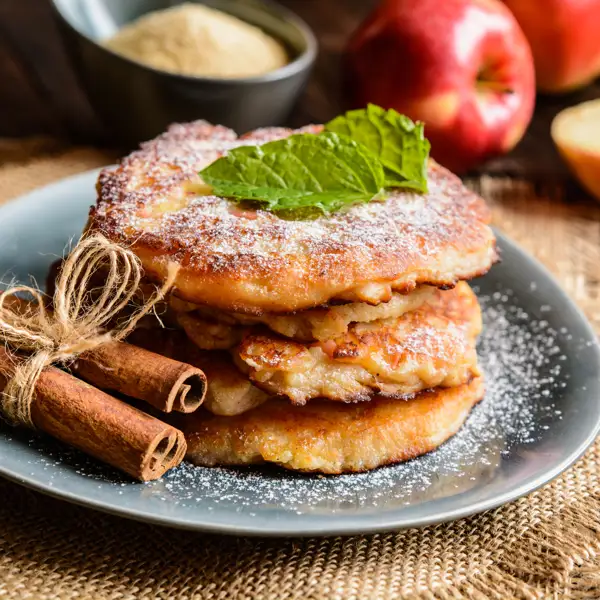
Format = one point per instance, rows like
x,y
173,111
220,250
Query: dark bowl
x,y
137,102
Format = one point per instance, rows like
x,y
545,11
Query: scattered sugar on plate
x,y
523,364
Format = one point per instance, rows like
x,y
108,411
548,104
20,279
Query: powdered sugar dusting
x,y
147,200
523,363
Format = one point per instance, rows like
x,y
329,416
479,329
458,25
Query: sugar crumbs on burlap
x,y
522,359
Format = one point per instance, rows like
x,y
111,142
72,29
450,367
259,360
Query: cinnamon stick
x,y
112,431
164,383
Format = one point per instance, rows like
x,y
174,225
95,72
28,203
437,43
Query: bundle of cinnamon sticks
x,y
80,414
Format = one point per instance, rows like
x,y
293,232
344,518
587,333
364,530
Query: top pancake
x,y
254,262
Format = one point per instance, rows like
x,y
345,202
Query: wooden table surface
x,y
39,92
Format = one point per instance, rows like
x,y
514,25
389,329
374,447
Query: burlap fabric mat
x,y
544,546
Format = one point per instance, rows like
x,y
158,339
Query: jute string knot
x,y
78,320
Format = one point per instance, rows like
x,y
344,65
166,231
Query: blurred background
x,y
43,90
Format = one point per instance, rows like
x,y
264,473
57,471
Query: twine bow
x,y
77,322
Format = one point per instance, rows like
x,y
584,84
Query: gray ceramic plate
x,y
541,411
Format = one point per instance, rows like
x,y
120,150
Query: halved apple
x,y
576,133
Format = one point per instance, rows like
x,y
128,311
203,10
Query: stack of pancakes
x,y
331,343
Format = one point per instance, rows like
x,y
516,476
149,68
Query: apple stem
x,y
486,82
488,85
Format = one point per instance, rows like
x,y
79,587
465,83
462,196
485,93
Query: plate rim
x,y
343,527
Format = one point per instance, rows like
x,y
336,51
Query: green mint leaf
x,y
399,143
325,171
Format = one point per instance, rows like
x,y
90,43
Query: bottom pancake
x,y
329,437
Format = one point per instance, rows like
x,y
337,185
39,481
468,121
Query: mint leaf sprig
x,y
302,171
399,143
355,159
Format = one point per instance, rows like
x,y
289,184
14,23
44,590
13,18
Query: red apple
x,y
464,67
565,40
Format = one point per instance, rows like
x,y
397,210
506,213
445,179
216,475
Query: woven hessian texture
x,y
544,546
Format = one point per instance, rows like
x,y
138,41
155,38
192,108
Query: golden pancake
x,y
252,261
211,328
328,437
208,333
434,345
